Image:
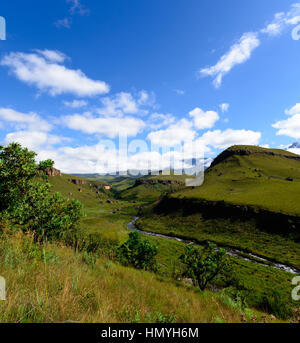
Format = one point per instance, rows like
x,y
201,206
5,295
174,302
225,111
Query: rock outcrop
x,y
52,172
77,182
157,181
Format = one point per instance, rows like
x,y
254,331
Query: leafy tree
x,y
138,253
26,202
203,266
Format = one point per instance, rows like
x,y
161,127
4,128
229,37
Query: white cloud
x,y
159,120
294,110
125,103
146,98
282,20
294,151
224,107
204,120
242,50
121,103
224,139
76,7
107,126
30,121
179,91
104,158
65,22
238,54
40,70
75,103
32,139
289,127
275,28
173,135
52,55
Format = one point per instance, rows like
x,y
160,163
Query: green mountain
x,y
245,175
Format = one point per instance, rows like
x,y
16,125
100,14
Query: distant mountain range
x,y
138,173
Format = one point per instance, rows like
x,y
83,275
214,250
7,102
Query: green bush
x,y
28,203
204,266
138,253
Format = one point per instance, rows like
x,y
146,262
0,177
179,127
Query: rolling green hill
x,y
249,200
244,175
151,188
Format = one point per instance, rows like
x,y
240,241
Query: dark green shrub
x,y
203,266
28,203
138,253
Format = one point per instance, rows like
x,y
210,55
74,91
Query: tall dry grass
x,y
52,283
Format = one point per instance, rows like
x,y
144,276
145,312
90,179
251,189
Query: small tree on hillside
x,y
28,203
138,253
203,266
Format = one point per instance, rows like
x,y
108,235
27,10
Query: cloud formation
x,y
239,53
282,20
76,7
75,103
224,139
28,121
224,107
44,70
204,120
110,127
242,50
175,134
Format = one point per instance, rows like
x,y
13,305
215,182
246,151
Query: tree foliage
x,y
29,203
203,266
138,253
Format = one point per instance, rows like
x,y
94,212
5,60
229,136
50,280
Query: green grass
x,y
258,279
150,188
52,283
257,179
225,232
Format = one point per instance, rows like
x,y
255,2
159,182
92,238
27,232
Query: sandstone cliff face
x,y
156,181
53,172
77,182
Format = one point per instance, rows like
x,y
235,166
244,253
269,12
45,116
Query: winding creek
x,y
231,252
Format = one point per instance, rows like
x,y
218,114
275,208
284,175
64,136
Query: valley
x,y
239,207
261,241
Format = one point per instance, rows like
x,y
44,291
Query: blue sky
x,y
76,74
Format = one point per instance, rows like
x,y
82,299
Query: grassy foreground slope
x,y
248,175
53,283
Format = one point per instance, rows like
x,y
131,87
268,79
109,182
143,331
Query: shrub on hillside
x,y
204,266
28,203
138,253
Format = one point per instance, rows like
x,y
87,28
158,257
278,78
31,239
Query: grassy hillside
x,y
241,177
108,221
59,285
150,188
245,175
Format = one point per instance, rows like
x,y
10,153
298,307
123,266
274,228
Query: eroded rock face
x,y
157,181
77,182
53,172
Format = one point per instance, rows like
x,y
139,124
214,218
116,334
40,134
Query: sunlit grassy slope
x,y
52,283
253,176
151,188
